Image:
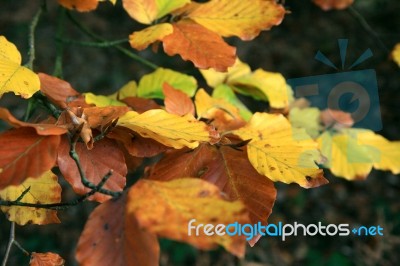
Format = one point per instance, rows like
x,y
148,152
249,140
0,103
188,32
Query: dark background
x,y
288,49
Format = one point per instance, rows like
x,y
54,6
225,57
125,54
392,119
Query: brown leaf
x,y
205,48
333,4
23,154
96,163
101,116
111,237
140,105
228,169
57,90
41,128
177,102
135,144
80,5
46,259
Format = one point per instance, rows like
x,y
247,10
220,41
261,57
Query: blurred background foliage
x,y
288,49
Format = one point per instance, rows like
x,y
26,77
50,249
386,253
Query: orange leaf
x,y
57,90
25,154
101,116
96,163
41,129
80,5
111,237
228,169
46,259
333,4
206,49
135,144
244,19
165,208
177,102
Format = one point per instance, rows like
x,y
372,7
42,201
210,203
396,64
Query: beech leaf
x,y
140,40
46,259
178,201
205,48
177,102
42,190
57,90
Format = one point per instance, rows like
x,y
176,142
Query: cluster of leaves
x,y
214,156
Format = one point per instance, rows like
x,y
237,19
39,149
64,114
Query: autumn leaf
x,y
177,102
46,259
101,100
307,118
146,11
96,163
151,85
14,77
336,119
41,128
178,201
141,105
227,168
57,90
135,144
395,54
333,4
168,129
140,40
23,154
244,19
42,190
102,116
128,90
80,5
280,152
112,237
205,48
351,153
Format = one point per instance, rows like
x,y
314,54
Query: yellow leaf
x,y
14,77
140,40
178,202
168,129
146,11
396,54
101,100
280,152
206,106
128,90
215,78
44,190
351,153
244,19
263,85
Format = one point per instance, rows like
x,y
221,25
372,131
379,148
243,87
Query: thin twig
x,y
367,27
10,243
93,44
32,29
118,47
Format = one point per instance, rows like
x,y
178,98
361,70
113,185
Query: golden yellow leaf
x,y
351,153
280,152
215,78
206,106
140,40
146,11
101,100
168,129
166,208
244,19
396,54
14,77
44,190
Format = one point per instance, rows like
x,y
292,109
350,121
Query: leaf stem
x,y
118,47
32,28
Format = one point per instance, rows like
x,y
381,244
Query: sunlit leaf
x,y
244,19
307,118
140,40
42,190
111,237
101,100
178,201
205,48
14,77
280,152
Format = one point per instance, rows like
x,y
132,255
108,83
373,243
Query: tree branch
x,y
10,243
104,44
32,29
